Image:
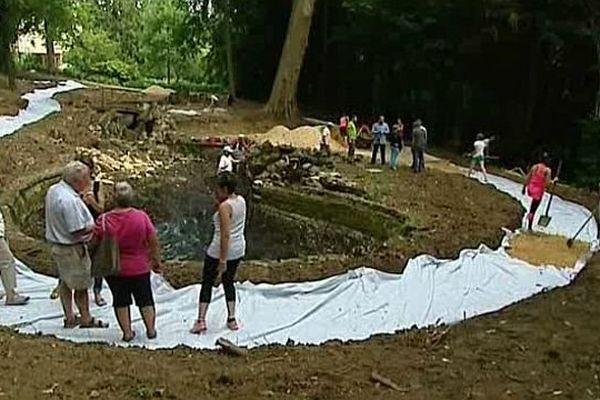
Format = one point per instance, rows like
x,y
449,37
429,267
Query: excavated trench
x,y
283,222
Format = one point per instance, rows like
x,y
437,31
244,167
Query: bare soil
x,y
545,347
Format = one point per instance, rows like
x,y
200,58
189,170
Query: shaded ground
x,y
544,348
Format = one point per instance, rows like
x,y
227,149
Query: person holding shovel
x,y
536,182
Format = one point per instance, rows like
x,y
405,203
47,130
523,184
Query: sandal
x,y
130,338
199,327
94,324
232,324
17,301
73,323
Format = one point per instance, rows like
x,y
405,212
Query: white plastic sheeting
x,y
352,306
41,104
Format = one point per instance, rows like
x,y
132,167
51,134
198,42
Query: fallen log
x,y
375,377
230,348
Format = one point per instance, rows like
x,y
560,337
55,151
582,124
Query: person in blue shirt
x,y
380,131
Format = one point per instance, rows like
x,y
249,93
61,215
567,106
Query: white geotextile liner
x,y
41,104
352,306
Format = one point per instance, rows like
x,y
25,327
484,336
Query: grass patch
x,y
338,211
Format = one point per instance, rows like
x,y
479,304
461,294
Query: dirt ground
x,y
545,347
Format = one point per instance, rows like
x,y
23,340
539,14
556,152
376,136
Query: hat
x,y
227,149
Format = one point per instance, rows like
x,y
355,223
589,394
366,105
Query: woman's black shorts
x,y
123,288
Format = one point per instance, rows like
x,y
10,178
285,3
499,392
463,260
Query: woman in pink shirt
x,y
536,182
139,252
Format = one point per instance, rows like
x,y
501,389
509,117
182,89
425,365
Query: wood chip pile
x,y
304,137
539,250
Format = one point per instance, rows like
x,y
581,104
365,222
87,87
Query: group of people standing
x,y
382,134
76,225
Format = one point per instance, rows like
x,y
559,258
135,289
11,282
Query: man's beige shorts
x,y
6,257
74,266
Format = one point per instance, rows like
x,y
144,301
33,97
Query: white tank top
x,y
237,240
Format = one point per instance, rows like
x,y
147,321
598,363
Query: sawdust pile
x,y
539,249
304,137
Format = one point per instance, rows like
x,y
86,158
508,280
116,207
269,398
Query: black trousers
x,y
209,274
376,147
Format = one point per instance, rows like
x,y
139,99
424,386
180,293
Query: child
x,y
478,155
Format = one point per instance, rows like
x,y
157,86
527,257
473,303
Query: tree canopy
x,y
525,70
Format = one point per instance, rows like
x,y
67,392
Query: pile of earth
x,y
141,121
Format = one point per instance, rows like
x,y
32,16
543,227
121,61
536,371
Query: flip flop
x,y
94,324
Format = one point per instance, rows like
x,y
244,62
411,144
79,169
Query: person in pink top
x,y
139,252
536,182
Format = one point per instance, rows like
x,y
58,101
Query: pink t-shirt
x,y
132,229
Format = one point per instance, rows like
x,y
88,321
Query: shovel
x,y
571,241
544,220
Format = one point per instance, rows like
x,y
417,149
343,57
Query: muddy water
x,y
183,210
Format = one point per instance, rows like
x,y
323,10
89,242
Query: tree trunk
x,y
229,51
283,102
50,56
596,34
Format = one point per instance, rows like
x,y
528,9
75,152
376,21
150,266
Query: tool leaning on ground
x,y
571,241
545,219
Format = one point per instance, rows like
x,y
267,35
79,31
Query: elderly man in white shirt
x,y
226,161
69,224
7,270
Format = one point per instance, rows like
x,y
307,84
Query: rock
x,y
314,170
306,166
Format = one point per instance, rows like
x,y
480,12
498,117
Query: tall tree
x,y
229,50
283,101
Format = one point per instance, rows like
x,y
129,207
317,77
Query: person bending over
x,y
225,252
536,182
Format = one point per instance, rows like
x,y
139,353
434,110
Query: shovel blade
x,y
544,221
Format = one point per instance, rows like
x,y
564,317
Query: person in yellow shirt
x,y
352,133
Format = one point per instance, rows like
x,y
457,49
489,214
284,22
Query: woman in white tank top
x,y
225,252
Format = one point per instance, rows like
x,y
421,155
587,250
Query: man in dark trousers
x,y
380,132
419,144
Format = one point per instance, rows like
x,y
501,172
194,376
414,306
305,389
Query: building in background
x,y
32,46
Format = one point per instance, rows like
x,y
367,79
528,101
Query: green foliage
x,y
29,62
588,168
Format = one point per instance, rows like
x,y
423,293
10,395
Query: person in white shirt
x,y
478,155
226,161
225,252
325,139
69,225
8,273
